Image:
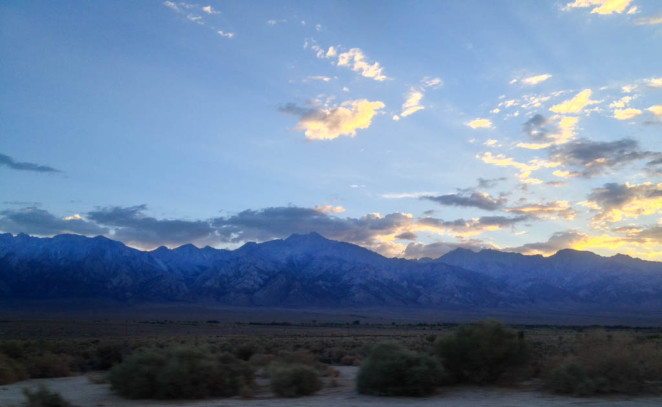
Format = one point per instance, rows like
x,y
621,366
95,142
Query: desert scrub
x,y
183,373
607,363
392,370
11,370
42,397
481,353
293,380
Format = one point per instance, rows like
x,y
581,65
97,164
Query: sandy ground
x,y
83,393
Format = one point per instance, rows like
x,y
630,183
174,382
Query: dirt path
x,y
81,392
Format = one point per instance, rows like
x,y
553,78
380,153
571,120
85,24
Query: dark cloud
x,y
473,225
438,249
133,227
489,183
558,241
9,162
612,198
40,222
473,199
559,209
540,128
293,109
407,236
592,158
279,222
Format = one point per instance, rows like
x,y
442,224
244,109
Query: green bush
x,y
392,370
481,353
11,370
293,380
180,374
571,379
43,397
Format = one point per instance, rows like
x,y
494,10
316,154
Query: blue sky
x,y
410,128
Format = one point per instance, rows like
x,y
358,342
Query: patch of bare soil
x,y
82,392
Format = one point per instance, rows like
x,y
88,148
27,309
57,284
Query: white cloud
x,y
210,10
319,78
626,114
534,80
432,82
328,123
414,195
356,61
480,123
600,6
224,34
271,22
576,104
327,209
171,5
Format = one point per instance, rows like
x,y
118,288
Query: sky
x,y
410,128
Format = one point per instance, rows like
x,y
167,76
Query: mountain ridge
x,y
310,270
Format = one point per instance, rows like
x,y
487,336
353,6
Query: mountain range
x,y
312,271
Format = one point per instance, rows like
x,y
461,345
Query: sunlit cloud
x,y
654,82
551,210
534,80
413,103
525,169
576,104
480,124
616,202
546,132
327,209
328,123
626,114
649,20
357,62
601,6
656,110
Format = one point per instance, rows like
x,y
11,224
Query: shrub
x,y
11,371
293,380
481,353
47,364
180,374
392,370
43,397
602,363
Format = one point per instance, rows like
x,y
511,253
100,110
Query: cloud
x,y
475,199
656,110
438,249
489,183
7,161
480,123
35,221
171,5
319,78
654,82
413,103
534,80
357,62
407,195
558,241
225,34
525,169
433,83
615,202
210,10
649,20
133,227
328,123
462,228
576,104
407,236
626,114
327,209
548,131
600,6
551,210
591,158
